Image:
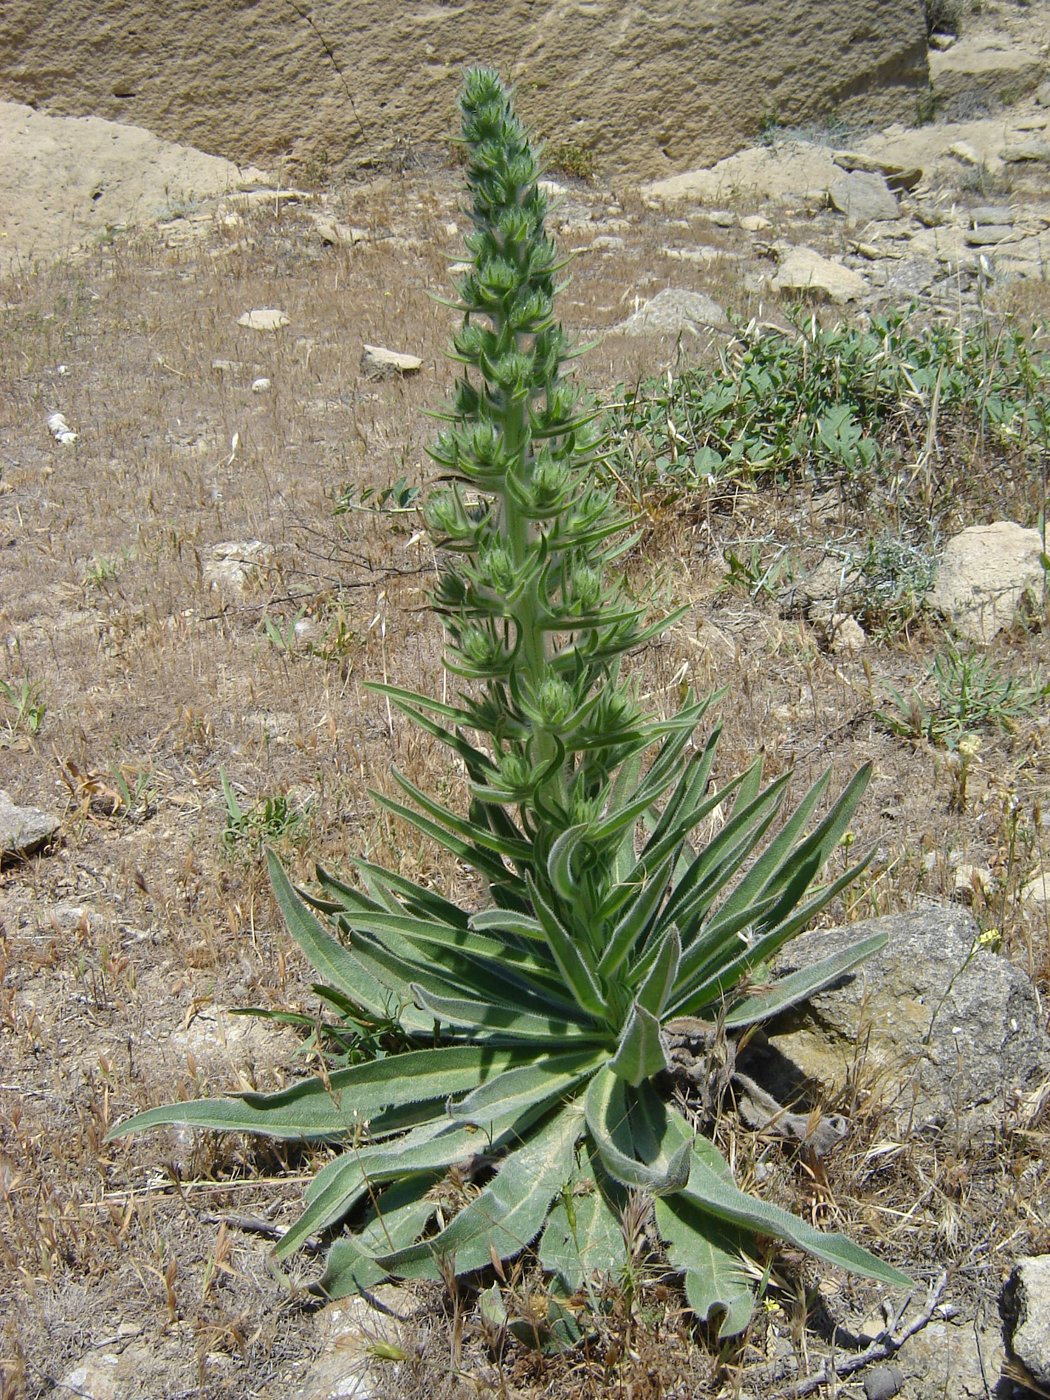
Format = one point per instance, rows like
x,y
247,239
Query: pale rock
x,y
847,635
864,197
697,255
953,1032
1033,148
989,235
333,232
381,363
722,218
991,214
1037,890
673,312
23,830
985,65
60,429
755,223
805,270
1025,1307
260,386
263,319
236,565
969,880
346,1366
984,575
896,177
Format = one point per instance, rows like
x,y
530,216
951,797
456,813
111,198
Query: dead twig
x,y
885,1345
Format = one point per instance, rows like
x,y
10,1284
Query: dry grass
x,y
123,948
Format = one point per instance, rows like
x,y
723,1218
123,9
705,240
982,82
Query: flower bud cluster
x,y
533,612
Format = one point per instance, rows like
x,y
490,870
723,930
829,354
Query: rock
x,y
952,1032
236,565
382,363
60,429
895,177
863,198
990,234
347,1365
23,830
969,880
260,386
1025,1309
847,635
1037,890
952,1359
991,214
984,574
111,1373
1042,94
755,223
805,270
257,80
828,592
1035,148
334,233
983,65
672,312
264,319
883,1382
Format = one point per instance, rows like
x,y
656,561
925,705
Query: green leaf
x,y
398,1219
709,1255
583,1240
509,1213
341,1102
335,963
620,1122
338,1187
799,985
503,1022
640,1054
712,1192
526,1086
569,953
654,993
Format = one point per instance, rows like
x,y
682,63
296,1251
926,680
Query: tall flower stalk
x,y
536,1028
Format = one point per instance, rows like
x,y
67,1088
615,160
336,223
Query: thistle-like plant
x,y
535,1028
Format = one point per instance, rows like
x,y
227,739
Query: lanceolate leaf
x,y
640,1054
583,1241
503,1023
797,986
713,1192
509,1213
709,1255
615,1120
526,1086
341,1102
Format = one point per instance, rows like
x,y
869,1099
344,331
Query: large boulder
x,y
645,90
949,1033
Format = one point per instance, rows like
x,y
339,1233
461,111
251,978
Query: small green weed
x,y
893,578
396,499
24,705
102,569
283,636
838,403
272,818
572,159
970,693
751,574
